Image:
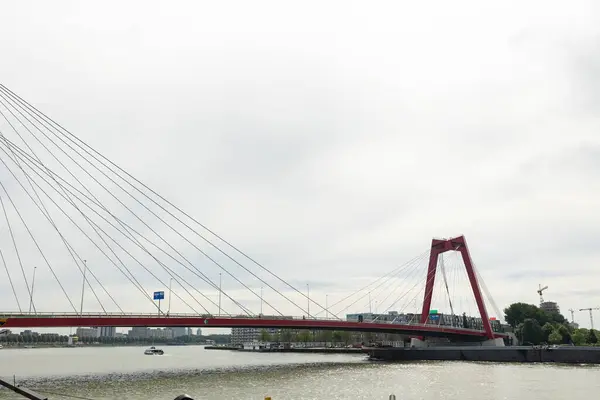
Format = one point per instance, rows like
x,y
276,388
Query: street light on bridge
x,y
308,300
169,306
220,291
31,294
83,286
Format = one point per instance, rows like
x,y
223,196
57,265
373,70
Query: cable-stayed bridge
x,y
73,221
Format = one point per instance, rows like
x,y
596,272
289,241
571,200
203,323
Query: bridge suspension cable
x,y
77,191
94,210
93,199
73,253
378,282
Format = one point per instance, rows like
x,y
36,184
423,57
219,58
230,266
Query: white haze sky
x,y
332,140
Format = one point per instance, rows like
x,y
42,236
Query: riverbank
x,y
309,350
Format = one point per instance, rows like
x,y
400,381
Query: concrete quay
x,y
521,354
309,350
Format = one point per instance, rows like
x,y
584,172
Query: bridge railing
x,y
411,322
152,315
193,315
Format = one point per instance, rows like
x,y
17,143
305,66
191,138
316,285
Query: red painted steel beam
x,y
487,326
437,247
458,244
58,321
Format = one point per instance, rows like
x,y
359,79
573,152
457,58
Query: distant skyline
x,y
330,141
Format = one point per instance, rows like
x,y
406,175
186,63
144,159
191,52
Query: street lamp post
x,y
261,300
83,286
32,287
308,300
326,307
220,291
170,285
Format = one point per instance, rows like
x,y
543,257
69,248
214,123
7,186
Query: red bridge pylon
x,y
439,246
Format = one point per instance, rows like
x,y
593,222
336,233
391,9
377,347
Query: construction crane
x,y
572,317
539,291
591,316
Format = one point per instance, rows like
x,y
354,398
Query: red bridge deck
x,y
9,320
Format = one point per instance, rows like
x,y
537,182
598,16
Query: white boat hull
x,y
154,352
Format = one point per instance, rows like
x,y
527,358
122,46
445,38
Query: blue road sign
x,y
159,295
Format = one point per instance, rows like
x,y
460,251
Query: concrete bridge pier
x,y
418,343
497,342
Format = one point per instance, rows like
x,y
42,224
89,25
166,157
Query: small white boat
x,y
153,351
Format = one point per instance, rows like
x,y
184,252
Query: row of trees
x,y
305,336
532,325
31,339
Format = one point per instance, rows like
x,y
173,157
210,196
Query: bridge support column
x,y
455,244
497,342
415,342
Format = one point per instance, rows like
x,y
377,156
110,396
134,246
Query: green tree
x,y
579,337
336,336
286,336
557,317
264,336
565,333
591,337
531,331
548,328
555,337
276,337
304,336
345,337
517,313
325,336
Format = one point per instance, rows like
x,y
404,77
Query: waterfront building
x,y
179,331
161,333
107,331
142,332
138,332
252,335
87,332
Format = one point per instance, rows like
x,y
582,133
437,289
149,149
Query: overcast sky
x,y
332,140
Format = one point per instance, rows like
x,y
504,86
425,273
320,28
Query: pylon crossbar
x,y
439,246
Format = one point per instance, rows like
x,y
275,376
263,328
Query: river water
x,y
125,372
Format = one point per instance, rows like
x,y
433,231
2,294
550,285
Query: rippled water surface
x,y
125,372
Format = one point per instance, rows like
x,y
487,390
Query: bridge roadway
x,y
60,320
